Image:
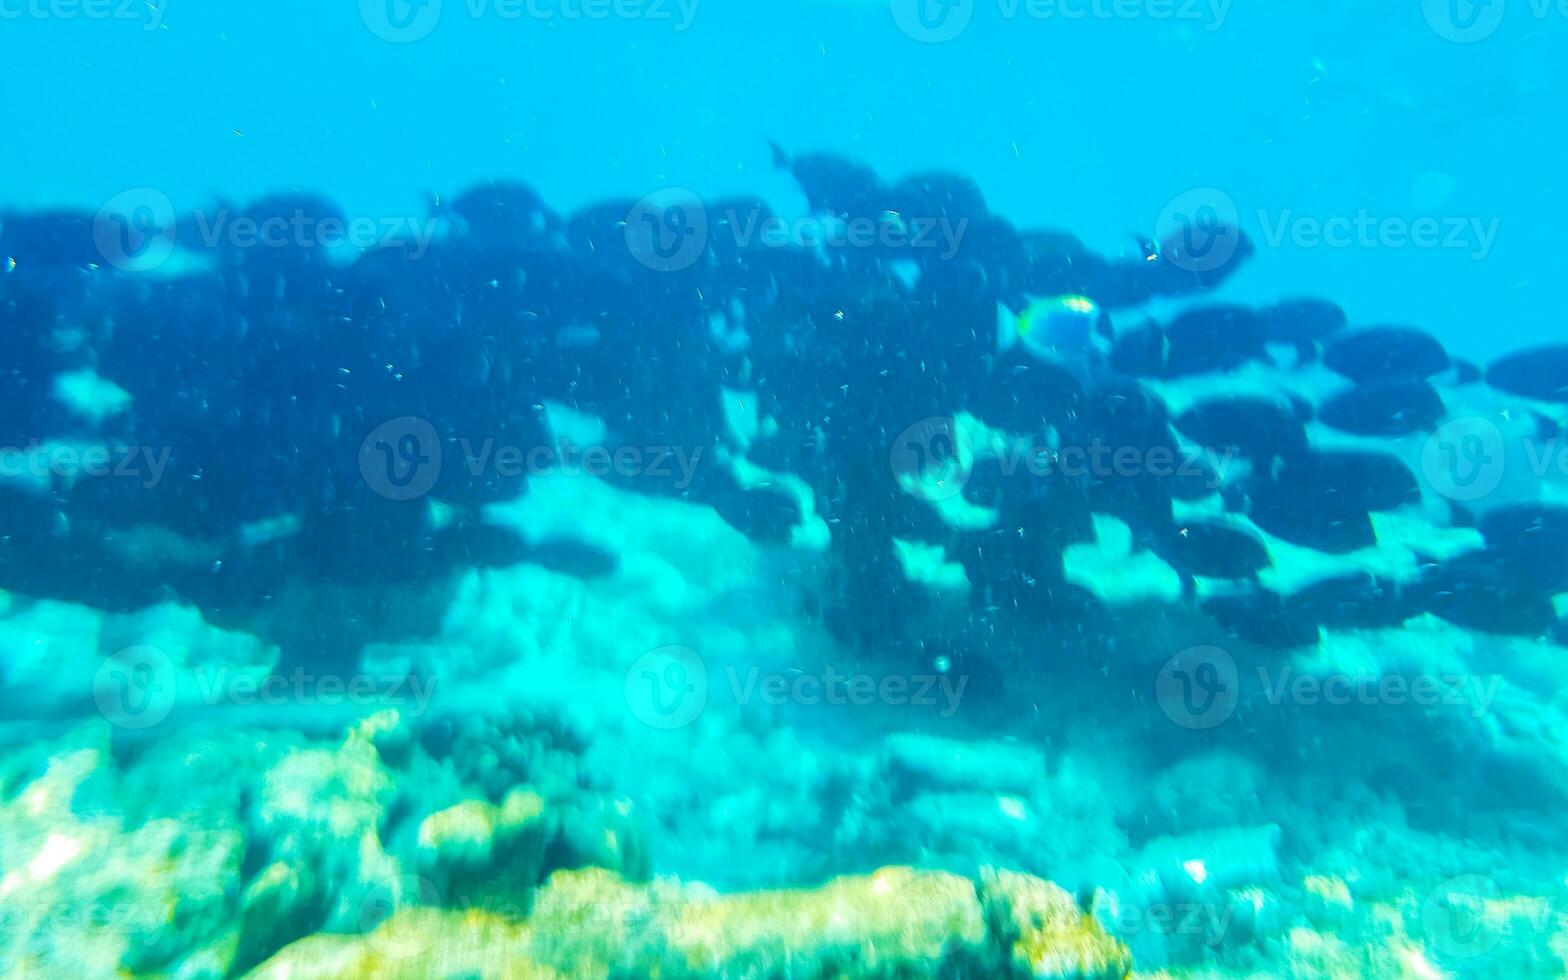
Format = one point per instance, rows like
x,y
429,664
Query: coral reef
x,y
897,922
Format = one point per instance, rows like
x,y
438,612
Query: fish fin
x,y
1307,352
1006,328
781,159
1546,427
1466,372
1148,248
1103,327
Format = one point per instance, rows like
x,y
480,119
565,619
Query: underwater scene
x,y
859,488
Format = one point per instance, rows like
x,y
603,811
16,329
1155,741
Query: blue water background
x,y
1313,110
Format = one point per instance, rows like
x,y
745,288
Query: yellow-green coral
x,y
590,924
477,852
1048,934
414,944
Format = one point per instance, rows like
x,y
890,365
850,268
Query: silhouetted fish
x,y
1541,373
1389,408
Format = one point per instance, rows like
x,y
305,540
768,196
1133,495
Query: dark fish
x,y
1213,551
49,238
1540,373
1184,268
1253,427
1487,591
1375,481
1389,408
1262,617
835,184
296,207
503,213
1310,508
1531,538
1304,324
1140,353
935,195
1387,354
1352,602
1215,338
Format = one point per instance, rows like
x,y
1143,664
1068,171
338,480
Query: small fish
x,y
1061,324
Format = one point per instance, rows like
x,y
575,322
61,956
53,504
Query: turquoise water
x,y
576,488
